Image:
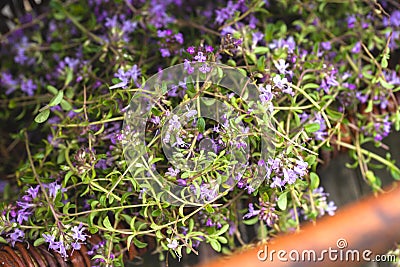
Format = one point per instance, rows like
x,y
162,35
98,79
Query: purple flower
x,y
55,245
129,26
209,49
111,22
382,129
200,57
75,246
187,66
125,76
331,79
181,182
28,87
172,244
395,18
78,233
281,66
226,13
357,48
33,192
301,167
142,192
249,189
277,182
191,50
191,113
290,44
279,82
172,172
8,81
164,33
252,22
326,45
275,163
331,208
54,188
16,236
174,123
23,216
165,52
48,238
392,77
321,133
208,192
268,214
179,142
289,175
252,212
351,20
204,68
179,38
256,37
21,48
361,97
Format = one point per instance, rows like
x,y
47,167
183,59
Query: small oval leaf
x,y
42,116
56,99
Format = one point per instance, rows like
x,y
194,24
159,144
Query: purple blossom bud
x,y
191,50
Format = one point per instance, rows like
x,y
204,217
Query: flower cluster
x,y
267,213
284,172
71,239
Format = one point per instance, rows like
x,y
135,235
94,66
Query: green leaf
x,y
385,84
370,176
369,107
65,105
312,127
52,89
222,230
209,208
395,173
261,50
129,241
208,101
311,86
191,224
384,62
314,180
215,245
139,243
180,211
2,240
42,116
282,201
261,63
56,99
310,159
56,47
201,125
222,239
39,241
70,75
107,224
251,221
334,114
156,111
